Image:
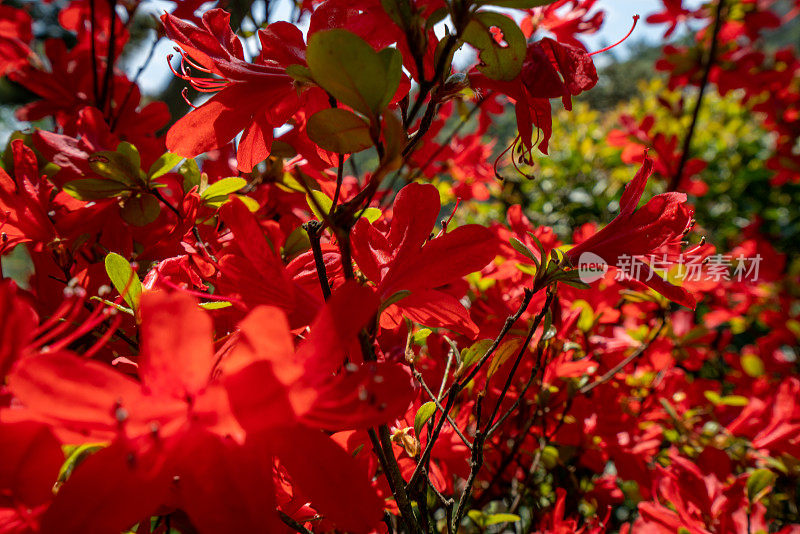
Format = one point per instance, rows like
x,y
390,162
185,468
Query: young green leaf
x,y
94,188
424,413
500,61
338,130
140,210
163,165
219,190
350,70
124,279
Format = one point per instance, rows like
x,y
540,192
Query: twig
x,y
313,228
617,368
291,523
687,141
435,399
106,97
133,82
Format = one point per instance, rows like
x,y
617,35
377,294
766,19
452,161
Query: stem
x,y
400,494
675,182
142,67
95,81
617,368
106,97
339,178
291,523
313,228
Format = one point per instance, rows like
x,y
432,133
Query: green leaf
x,y
758,483
474,353
372,214
251,203
734,400
123,166
300,73
500,62
215,305
523,249
338,130
75,457
394,298
424,413
124,279
296,243
94,188
419,337
163,165
395,140
123,309
350,70
191,175
317,201
220,190
752,365
495,519
131,153
502,354
393,67
140,210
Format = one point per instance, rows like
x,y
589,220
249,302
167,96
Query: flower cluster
x,y
285,309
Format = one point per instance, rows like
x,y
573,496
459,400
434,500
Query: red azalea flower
x,y
662,221
551,70
254,97
32,458
403,259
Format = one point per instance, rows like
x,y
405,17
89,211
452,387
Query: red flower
x,y
402,259
15,36
551,70
254,97
178,420
32,458
25,201
662,221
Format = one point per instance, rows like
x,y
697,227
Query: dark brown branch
x,y
313,229
291,523
675,182
621,365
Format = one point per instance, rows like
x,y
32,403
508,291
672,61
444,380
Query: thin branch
x,y
687,141
291,523
134,81
621,365
313,229
435,399
107,94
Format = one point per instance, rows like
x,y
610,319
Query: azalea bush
x,y
337,278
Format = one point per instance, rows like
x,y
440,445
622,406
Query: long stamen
x,y
97,317
503,153
102,340
66,320
606,49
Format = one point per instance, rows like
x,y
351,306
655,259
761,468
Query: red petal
x,y
32,458
254,146
263,335
110,491
213,124
177,351
464,250
317,465
437,309
80,395
224,487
